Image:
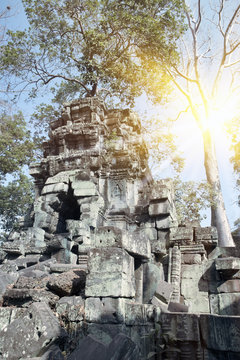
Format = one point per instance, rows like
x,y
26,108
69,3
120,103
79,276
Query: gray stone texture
x,y
89,349
30,334
220,332
111,273
163,291
68,283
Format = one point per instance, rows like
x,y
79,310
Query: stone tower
x,y
100,262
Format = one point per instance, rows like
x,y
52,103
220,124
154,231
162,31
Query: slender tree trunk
x,y
218,212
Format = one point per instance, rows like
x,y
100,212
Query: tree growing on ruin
x,y
124,47
82,47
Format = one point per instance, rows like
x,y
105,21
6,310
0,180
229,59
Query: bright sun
x,y
222,111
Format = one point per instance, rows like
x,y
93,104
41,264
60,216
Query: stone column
x,y
176,274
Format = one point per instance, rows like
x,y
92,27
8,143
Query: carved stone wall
x,y
100,267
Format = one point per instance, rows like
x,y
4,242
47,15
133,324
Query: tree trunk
x,y
218,212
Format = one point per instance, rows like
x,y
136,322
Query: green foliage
x,y
16,150
161,143
16,146
40,120
15,199
191,198
86,46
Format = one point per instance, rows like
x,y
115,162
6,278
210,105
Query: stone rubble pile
x,y
100,267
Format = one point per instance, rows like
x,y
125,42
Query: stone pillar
x,y
176,274
187,351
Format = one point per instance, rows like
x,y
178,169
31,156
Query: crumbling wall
x,y
103,255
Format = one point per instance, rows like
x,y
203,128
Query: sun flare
x,y
221,112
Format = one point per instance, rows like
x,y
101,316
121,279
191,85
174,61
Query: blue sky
x,y
189,138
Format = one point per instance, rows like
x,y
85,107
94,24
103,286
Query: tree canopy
x,y
16,146
16,150
89,46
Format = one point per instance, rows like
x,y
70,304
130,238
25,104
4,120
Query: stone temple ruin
x,y
100,268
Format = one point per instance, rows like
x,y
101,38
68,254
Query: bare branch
x,y
187,96
232,64
199,16
233,49
184,76
231,22
220,17
182,112
225,53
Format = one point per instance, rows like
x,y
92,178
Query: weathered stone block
x,y
140,335
15,247
229,304
191,259
138,314
122,347
61,177
181,234
27,261
24,297
177,307
207,235
55,188
158,247
43,266
199,304
5,316
107,236
75,229
160,208
181,327
163,291
220,332
84,188
6,281
192,271
151,275
68,283
164,223
26,282
89,349
229,286
60,268
111,273
190,288
137,244
3,255
150,233
106,332
162,190
71,308
105,310
225,264
30,334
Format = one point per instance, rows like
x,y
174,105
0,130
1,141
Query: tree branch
x,y
232,64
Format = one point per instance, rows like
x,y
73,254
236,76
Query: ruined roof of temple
x,y
89,137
